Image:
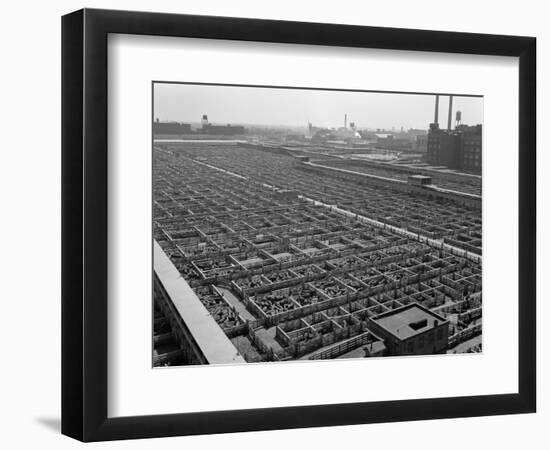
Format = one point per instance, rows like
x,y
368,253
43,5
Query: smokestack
x,y
345,120
436,116
449,117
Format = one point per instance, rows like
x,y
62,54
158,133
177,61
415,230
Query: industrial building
x,y
470,147
170,128
264,256
219,130
393,142
185,130
342,134
459,148
443,147
412,330
421,143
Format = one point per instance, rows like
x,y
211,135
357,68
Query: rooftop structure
x,y
420,180
412,329
408,321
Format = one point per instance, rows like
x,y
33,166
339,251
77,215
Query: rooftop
x,y
212,341
408,320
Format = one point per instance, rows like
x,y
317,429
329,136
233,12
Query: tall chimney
x,y
436,117
449,117
345,120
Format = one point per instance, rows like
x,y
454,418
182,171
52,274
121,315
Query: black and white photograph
x,y
275,225
301,224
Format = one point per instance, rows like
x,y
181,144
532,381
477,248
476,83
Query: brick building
x,y
225,130
459,149
470,157
170,128
411,330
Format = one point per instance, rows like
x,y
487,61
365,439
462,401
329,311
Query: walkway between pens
x,y
233,300
401,231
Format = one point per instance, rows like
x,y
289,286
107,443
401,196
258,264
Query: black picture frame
x,y
84,224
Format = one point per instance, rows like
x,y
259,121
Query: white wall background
x,y
30,225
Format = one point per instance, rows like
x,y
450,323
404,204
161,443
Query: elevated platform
x,y
400,185
211,341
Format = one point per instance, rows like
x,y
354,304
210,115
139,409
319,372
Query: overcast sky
x,y
295,107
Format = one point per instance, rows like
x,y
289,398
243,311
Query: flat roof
x,y
398,321
212,341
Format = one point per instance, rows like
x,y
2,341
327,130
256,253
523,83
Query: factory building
x,y
393,142
470,157
411,330
458,149
421,143
226,130
342,134
170,128
443,147
219,130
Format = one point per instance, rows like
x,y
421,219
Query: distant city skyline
x,y
296,107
